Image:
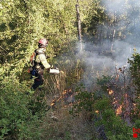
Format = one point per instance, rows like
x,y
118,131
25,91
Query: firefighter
x,y
40,63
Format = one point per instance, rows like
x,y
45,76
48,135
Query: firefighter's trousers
x,y
39,79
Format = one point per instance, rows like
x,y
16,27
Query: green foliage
x,y
103,81
96,17
20,114
38,105
137,124
91,101
22,24
114,126
110,121
84,101
102,113
102,104
134,69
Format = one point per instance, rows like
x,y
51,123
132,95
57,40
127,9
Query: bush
x,y
134,70
101,113
17,120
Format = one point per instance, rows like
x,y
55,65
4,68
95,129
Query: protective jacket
x,y
40,64
40,60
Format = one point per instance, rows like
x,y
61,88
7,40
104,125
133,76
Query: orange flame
x,y
97,111
119,110
115,102
52,104
110,91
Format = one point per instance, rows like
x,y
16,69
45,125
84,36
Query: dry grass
x,y
60,125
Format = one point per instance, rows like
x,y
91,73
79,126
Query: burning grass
x,y
59,124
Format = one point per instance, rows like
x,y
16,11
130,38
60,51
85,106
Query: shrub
x,y
17,120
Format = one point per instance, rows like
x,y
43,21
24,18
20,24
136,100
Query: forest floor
x,y
59,124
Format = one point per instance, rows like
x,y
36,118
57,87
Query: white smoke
x,y
101,59
113,6
99,62
104,57
119,6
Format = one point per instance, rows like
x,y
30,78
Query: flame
x,y
64,92
110,91
67,97
134,107
115,102
119,110
52,104
97,111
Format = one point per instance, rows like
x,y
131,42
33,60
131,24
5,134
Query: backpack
x,y
32,59
32,69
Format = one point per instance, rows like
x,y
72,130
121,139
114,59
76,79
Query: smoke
x,y
102,59
99,62
119,6
112,6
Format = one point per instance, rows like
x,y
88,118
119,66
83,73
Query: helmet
x,y
43,42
